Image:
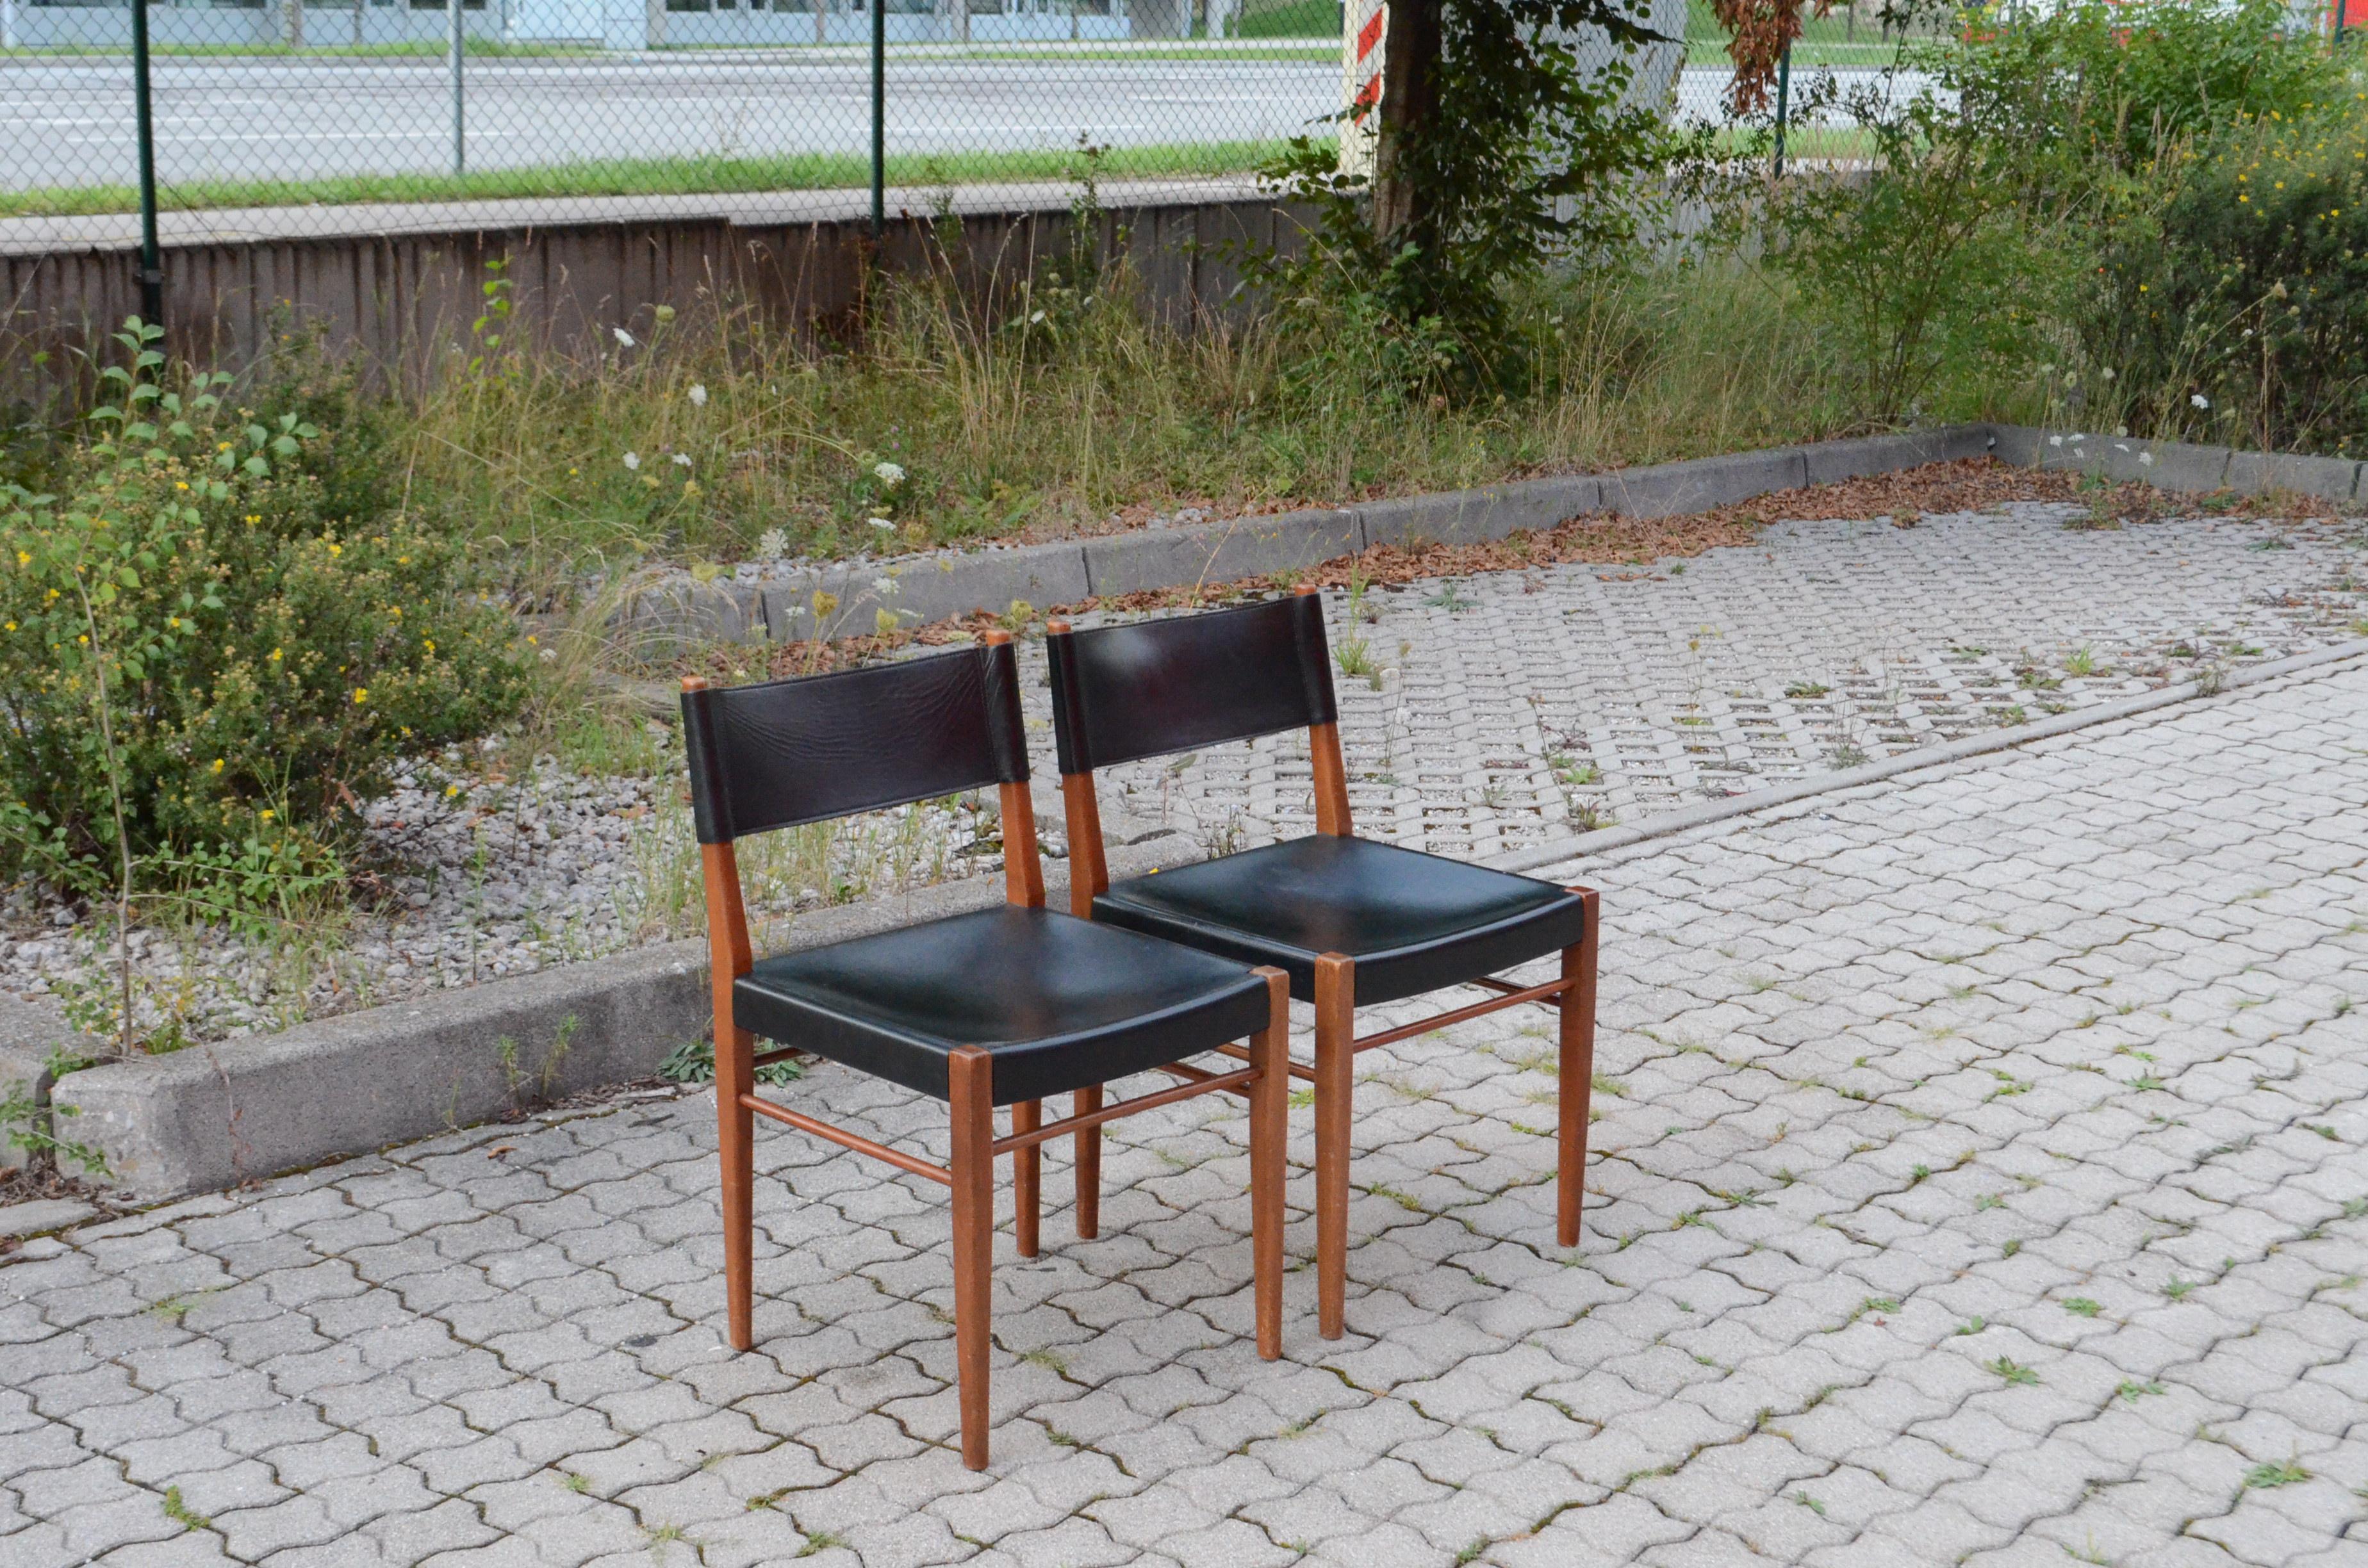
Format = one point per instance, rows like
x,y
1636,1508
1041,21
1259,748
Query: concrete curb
x,y
215,1115
32,1036
2175,465
673,609
1604,840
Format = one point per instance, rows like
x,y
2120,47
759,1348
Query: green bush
x,y
211,649
1927,280
2236,303
2095,88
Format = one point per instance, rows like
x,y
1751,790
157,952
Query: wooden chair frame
x,y
970,1174
1571,995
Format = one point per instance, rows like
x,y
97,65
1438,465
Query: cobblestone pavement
x,y
1979,1178
1514,707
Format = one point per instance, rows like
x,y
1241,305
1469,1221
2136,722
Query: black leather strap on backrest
x,y
797,751
1124,692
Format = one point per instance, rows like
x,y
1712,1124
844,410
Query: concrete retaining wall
x,y
402,301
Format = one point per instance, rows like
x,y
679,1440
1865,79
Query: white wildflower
x,y
624,338
632,459
698,394
883,586
889,475
884,524
2199,400
682,460
772,543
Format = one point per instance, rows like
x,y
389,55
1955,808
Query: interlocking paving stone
x,y
1977,1177
1512,708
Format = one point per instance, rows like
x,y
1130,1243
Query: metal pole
x,y
879,119
1783,103
2341,6
152,266
459,120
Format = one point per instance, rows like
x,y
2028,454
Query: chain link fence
x,y
305,117
299,117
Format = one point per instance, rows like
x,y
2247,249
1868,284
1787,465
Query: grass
x,y
2269,1474
1102,413
708,175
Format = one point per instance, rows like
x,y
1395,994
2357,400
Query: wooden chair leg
x,y
1027,1175
970,1099
1575,1092
1089,1164
735,1138
1269,1102
1336,1051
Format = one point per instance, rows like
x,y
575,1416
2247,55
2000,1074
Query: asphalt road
x,y
69,123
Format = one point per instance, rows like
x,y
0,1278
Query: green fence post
x,y
152,266
1783,103
879,119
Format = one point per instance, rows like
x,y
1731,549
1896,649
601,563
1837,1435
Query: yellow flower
x,y
180,484
361,694
23,559
529,639
11,626
218,764
275,656
450,790
336,549
267,813
430,642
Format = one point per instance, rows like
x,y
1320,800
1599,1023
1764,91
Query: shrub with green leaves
x,y
206,665
2235,304
2089,87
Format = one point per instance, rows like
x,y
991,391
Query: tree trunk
x,y
1409,104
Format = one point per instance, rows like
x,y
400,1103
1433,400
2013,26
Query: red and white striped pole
x,y
1365,23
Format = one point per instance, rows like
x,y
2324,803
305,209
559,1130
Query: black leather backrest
x,y
796,751
1124,692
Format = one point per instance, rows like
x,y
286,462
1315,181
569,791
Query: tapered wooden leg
x,y
1578,1080
735,1077
970,1099
1027,1175
1336,1030
1089,1164
1269,1101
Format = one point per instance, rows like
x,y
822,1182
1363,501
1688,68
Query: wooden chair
x,y
1002,1006
1349,920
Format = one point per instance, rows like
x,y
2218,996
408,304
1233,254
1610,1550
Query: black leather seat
x,y
1413,922
1060,1003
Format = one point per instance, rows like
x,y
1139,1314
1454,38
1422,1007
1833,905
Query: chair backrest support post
x,y
1328,770
1023,866
729,955
1088,866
